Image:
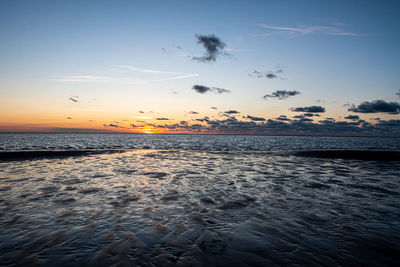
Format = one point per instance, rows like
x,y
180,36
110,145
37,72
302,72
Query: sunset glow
x,y
232,73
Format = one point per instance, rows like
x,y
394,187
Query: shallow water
x,y
22,141
199,207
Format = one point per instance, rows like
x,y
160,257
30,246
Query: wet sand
x,y
199,208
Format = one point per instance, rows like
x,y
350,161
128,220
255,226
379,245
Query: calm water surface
x,y
198,201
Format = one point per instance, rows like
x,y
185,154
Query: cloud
x,y
178,75
285,126
162,119
281,94
283,118
69,118
204,89
193,112
268,75
311,109
201,88
306,30
86,78
352,117
231,112
214,108
74,99
271,76
220,90
311,115
254,118
257,74
128,79
376,106
213,45
303,117
398,93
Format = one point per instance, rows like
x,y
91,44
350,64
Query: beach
x,y
199,207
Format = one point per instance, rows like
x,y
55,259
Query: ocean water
x,y
192,200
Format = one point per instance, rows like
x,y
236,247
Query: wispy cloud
x,y
306,30
128,79
136,69
85,78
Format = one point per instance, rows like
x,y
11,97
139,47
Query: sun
x,y
149,130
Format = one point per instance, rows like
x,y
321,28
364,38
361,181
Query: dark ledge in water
x,y
35,154
378,155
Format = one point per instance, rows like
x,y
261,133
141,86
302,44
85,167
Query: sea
x,y
198,200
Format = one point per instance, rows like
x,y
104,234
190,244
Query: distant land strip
x,y
375,155
34,154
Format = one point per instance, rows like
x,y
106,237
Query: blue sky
x,y
332,52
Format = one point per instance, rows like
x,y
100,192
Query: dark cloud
x,y
311,115
113,125
283,126
74,99
254,118
305,119
201,88
193,112
302,117
352,117
162,119
398,93
271,76
214,108
310,109
281,94
283,118
69,118
141,111
204,89
268,75
376,106
213,45
231,112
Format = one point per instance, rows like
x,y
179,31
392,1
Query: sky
x,y
218,67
